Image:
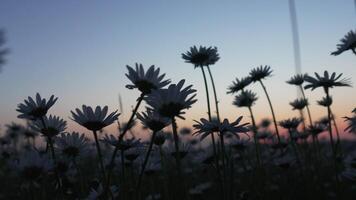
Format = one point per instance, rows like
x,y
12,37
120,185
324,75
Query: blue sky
x,y
78,50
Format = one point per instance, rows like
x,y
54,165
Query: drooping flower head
x,y
202,56
53,125
145,82
325,101
347,43
94,121
153,120
299,104
245,99
172,102
326,81
238,85
260,73
297,79
205,127
33,110
72,145
292,123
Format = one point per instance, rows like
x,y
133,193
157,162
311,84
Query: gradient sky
x,y
77,50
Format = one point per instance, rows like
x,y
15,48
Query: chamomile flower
x,y
347,43
72,145
299,104
326,82
239,85
202,56
292,123
205,127
297,79
325,101
49,126
245,99
32,109
172,101
147,81
316,129
153,120
123,144
259,73
351,124
94,121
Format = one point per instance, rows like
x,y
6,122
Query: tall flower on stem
x,y
292,125
347,43
257,75
247,99
35,109
95,121
155,122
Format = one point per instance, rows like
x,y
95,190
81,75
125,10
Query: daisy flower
x,y
347,43
259,73
326,82
239,85
94,120
325,101
202,56
159,139
72,145
123,144
153,120
32,109
297,80
49,126
299,104
351,124
205,127
172,101
245,99
292,123
145,82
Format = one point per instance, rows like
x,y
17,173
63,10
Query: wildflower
x,y
159,139
203,56
72,145
185,131
325,101
245,99
299,104
94,121
153,120
33,110
146,82
123,144
347,43
205,127
50,126
239,85
316,129
14,130
265,123
172,101
259,73
297,80
292,123
326,81
351,123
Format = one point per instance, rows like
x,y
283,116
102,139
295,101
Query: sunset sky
x,y
78,50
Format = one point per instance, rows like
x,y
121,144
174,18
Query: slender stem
x,y
207,93
122,152
223,162
99,155
307,106
338,144
215,95
176,146
255,137
145,161
273,115
329,125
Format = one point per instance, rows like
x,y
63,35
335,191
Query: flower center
x,y
171,109
145,86
94,125
200,58
38,112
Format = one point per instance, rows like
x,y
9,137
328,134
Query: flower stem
x,y
307,106
273,115
215,95
145,161
176,146
255,137
99,155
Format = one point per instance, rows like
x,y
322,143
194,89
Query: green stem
x,y
307,106
255,137
99,155
215,95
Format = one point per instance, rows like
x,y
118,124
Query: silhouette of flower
x,y
145,82
260,73
347,43
50,126
326,81
351,123
206,127
316,129
325,101
94,121
159,139
265,123
172,101
72,145
33,110
153,120
123,144
238,85
203,56
245,99
297,79
299,104
292,123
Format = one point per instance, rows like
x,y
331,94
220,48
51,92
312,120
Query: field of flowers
x,y
214,159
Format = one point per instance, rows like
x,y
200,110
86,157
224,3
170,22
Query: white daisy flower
x,y
204,56
94,121
72,145
146,82
347,43
172,101
35,109
153,120
52,126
